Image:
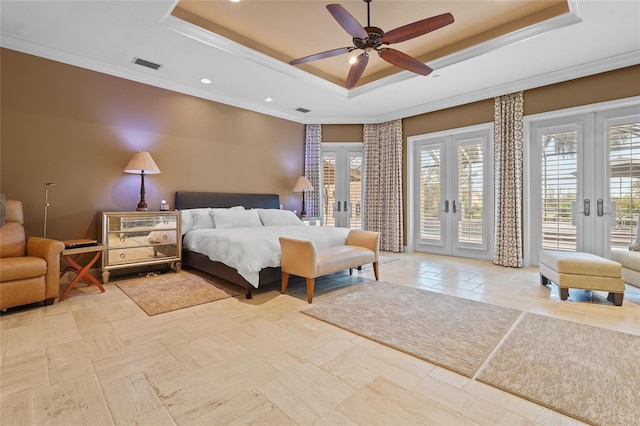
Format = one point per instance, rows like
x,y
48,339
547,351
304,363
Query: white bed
x,y
235,236
251,249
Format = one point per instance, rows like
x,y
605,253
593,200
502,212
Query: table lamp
x,y
303,185
142,164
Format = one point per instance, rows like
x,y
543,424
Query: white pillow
x,y
230,218
202,219
186,221
276,217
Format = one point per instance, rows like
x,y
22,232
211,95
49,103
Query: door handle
x,y
600,207
446,206
345,206
455,210
587,207
338,206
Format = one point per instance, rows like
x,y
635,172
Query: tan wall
x,y
342,132
79,129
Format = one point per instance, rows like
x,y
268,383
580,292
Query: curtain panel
x,y
312,152
382,151
508,157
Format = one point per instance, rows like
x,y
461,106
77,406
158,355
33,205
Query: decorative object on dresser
x,y
142,163
135,239
29,266
303,185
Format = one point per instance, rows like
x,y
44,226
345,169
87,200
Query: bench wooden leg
x,y
285,282
616,298
543,280
375,270
564,293
310,284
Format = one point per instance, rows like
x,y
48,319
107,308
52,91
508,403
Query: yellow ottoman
x,y
582,270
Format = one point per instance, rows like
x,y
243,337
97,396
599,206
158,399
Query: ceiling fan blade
x,y
347,21
322,55
405,61
418,28
356,70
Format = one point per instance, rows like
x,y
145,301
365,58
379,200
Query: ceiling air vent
x,y
303,110
147,64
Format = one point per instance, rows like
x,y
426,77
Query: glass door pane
x,y
355,190
430,193
558,188
471,194
624,181
328,189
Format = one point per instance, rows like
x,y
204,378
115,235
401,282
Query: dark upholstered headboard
x,y
195,200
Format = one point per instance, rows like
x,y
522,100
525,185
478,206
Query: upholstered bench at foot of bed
x,y
584,271
301,258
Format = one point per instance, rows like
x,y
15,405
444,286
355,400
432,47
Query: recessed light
x,y
268,100
235,1
205,81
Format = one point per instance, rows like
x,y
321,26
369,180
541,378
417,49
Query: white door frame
x,y
531,234
412,195
342,150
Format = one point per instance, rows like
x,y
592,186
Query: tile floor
x,y
97,359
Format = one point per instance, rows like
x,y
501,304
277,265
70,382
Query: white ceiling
x,y
106,36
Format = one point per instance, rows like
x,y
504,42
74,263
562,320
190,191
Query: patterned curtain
x,y
508,154
382,151
312,150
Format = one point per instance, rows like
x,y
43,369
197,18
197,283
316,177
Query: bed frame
x,y
194,200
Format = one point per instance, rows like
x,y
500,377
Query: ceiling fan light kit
x,y
370,39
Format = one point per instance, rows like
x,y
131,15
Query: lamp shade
x,y
142,162
302,185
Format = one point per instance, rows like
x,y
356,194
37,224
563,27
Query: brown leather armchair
x,y
29,267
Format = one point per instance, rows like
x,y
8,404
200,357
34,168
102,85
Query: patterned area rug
x,y
169,292
585,372
454,333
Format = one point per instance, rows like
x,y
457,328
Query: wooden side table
x,y
74,251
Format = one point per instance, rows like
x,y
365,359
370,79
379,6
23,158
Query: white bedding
x,y
249,250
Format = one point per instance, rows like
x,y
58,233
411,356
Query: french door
x,y
342,185
586,173
451,197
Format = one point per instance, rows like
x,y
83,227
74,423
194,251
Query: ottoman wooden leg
x,y
616,298
564,293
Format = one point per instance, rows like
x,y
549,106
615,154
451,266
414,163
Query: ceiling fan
x,y
371,38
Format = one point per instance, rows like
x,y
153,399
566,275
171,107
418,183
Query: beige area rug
x,y
169,292
454,333
585,372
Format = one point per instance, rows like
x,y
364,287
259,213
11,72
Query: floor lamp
x,y
142,164
46,206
